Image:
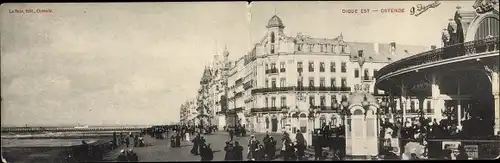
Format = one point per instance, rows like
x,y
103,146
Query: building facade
x,y
188,112
274,86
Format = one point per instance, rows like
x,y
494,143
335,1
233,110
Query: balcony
x,y
301,88
272,71
270,109
321,69
439,55
367,78
282,69
300,70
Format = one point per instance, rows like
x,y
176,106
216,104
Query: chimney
x,y
375,47
360,53
433,47
392,46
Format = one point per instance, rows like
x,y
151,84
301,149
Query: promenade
x,y
160,150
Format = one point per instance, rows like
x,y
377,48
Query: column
x,y
495,82
403,100
392,105
436,105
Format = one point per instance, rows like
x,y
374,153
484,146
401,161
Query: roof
x,y
384,52
275,21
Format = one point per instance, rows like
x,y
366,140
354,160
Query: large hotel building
x,y
282,77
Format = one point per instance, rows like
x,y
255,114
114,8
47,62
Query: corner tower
x,y
274,31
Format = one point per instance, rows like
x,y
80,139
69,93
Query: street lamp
x,y
345,111
361,62
234,109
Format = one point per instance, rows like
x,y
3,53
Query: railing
x,y
436,55
367,78
300,70
271,71
282,70
272,109
293,88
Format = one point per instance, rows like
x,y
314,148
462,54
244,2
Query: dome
x,y
358,98
275,21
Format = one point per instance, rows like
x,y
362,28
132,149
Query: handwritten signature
x,y
421,8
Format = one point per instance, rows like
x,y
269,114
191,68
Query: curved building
x,y
460,79
275,86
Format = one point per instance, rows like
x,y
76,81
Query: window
x,y
273,65
272,37
267,83
272,49
311,82
299,83
344,82
311,66
487,28
282,67
332,82
332,67
311,47
273,83
321,48
299,66
429,107
322,67
283,101
375,71
322,100
343,49
366,75
299,47
266,102
322,82
412,106
311,100
282,82
343,67
267,67
334,100
356,73
273,102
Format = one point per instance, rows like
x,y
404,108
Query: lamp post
x,y
235,117
361,62
345,111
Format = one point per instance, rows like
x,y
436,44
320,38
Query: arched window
x,y
487,27
272,37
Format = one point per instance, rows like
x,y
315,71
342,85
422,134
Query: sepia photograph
x,y
250,81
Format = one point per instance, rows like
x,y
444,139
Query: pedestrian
x,y
178,140
196,143
318,149
271,151
300,145
238,151
261,153
231,134
187,136
172,141
251,147
229,148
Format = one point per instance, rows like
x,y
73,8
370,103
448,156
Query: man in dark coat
x,y
229,148
132,156
231,134
178,139
196,144
238,151
271,149
172,141
301,146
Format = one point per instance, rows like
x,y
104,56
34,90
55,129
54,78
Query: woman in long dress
x,y
187,136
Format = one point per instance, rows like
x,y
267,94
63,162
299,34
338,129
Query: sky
x,y
136,63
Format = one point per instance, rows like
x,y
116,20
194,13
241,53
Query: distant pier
x,y
69,129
